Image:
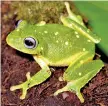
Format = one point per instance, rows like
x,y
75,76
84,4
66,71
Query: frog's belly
x,y
65,62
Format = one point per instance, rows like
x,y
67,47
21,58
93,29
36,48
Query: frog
x,y
69,44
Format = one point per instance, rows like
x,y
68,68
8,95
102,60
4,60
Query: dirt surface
x,y
16,64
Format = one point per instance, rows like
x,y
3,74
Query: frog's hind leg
x,y
78,74
72,16
76,23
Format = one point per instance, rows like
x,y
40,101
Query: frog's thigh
x,y
80,76
86,56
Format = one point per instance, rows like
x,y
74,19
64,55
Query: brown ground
x,y
16,64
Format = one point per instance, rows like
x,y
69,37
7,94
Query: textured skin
x,y
56,43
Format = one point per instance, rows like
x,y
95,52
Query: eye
x,y
30,43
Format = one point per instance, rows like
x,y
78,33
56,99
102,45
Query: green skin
x,y
70,44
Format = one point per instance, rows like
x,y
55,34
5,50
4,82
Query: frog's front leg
x,y
78,74
38,78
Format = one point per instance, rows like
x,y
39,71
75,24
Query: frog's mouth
x,y
8,40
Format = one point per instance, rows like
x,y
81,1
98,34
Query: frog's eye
x,y
30,43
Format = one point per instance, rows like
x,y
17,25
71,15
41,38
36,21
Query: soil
x,y
14,66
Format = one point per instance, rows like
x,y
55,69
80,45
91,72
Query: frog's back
x,y
64,42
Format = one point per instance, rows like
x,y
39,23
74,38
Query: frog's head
x,y
25,39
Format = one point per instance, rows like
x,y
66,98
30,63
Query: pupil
x,y
28,43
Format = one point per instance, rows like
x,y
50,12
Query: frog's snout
x,y
10,40
7,40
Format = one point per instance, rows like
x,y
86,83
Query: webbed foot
x,y
24,86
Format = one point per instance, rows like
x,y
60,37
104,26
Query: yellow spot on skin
x,y
56,41
70,25
81,23
56,33
81,62
35,30
80,28
17,30
45,32
77,36
76,32
41,48
84,49
79,74
89,40
66,43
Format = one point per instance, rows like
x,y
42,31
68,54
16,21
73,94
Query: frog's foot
x,y
74,17
70,87
24,86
